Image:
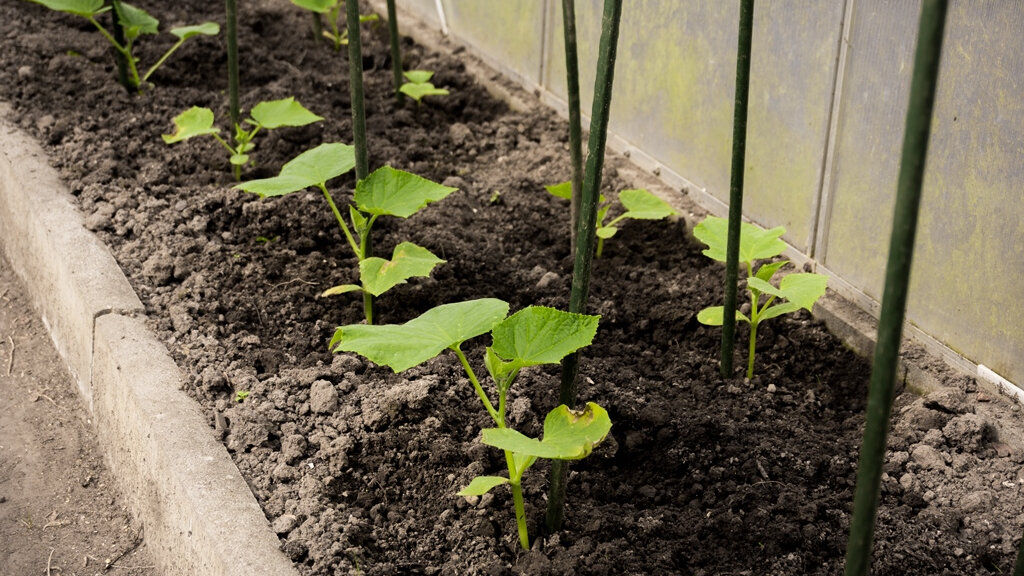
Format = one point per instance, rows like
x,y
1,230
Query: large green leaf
x,y
418,76
310,168
136,21
418,91
83,8
402,346
568,434
204,29
561,190
195,121
755,243
541,335
642,205
284,112
321,6
801,291
408,260
390,192
482,485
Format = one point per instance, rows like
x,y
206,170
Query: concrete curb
x,y
198,514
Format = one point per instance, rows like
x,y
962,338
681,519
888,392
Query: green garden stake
x,y
396,50
587,227
575,124
118,33
739,152
355,71
232,30
897,281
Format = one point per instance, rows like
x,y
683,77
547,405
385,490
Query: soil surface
x,y
357,467
60,510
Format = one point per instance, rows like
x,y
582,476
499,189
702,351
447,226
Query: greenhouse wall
x,y
828,95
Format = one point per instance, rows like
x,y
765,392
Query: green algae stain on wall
x,y
510,31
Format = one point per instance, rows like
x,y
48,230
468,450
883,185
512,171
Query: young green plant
x,y
533,336
385,192
794,292
419,85
134,22
639,204
331,8
268,115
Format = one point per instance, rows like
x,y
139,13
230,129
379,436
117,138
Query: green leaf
x,y
606,232
568,434
83,8
764,287
195,121
363,18
136,21
602,212
341,289
642,205
803,289
408,260
418,76
311,168
239,159
562,190
284,112
755,243
418,91
713,316
358,220
541,335
766,271
320,6
778,310
482,485
204,29
390,192
402,346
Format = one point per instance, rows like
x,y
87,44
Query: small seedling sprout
x,y
268,115
419,86
331,8
385,192
135,22
639,204
794,292
533,336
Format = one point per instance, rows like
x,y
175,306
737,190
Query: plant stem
x,y
341,222
125,50
575,129
232,30
585,230
517,500
739,150
478,388
355,72
753,345
897,279
122,62
600,247
396,50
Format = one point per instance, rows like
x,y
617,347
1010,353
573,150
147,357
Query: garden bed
x,y
357,467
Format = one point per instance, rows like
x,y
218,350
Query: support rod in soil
x,y
318,28
739,153
396,50
897,280
585,230
122,63
355,73
572,72
232,26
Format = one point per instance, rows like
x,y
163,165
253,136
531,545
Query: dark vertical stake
x,y
122,63
318,28
739,153
396,50
575,124
1018,569
232,26
585,230
897,280
355,74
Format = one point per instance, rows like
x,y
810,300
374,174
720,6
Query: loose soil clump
x,y
357,467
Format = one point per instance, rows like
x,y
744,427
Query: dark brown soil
x,y
701,475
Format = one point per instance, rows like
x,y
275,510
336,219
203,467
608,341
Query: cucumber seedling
x,y
330,8
419,86
533,336
639,204
385,192
268,115
134,22
794,292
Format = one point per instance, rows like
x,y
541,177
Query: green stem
x,y
585,229
122,62
517,500
600,247
162,60
355,71
231,10
341,222
479,389
897,279
125,51
396,50
753,344
739,148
